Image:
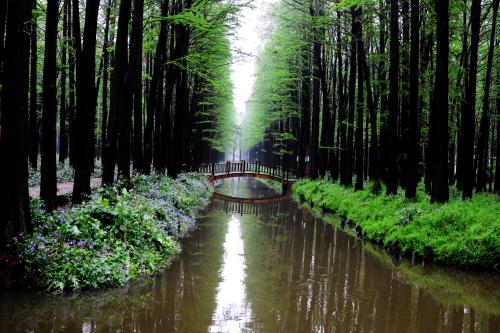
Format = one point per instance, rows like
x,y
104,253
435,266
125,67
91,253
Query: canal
x,y
271,268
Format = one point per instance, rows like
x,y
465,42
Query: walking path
x,y
63,188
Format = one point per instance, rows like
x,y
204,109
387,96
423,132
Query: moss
x,y
459,233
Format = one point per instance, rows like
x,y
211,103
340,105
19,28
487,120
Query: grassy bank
x,y
114,237
459,233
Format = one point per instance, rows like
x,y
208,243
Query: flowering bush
x,y
115,236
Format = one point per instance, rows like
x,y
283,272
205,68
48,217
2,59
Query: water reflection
x,y
278,270
232,314
245,188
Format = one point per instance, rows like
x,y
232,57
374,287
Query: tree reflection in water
x,y
273,268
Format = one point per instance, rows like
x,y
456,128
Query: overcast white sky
x,y
250,37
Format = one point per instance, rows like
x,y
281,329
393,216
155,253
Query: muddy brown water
x,y
273,268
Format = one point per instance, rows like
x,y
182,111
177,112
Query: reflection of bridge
x,y
271,208
248,169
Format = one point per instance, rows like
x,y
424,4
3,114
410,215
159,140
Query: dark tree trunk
x,y
85,108
340,104
33,113
392,124
305,114
497,166
373,157
120,109
63,143
360,105
152,100
404,111
440,190
136,80
316,101
14,197
72,84
414,130
105,78
484,129
469,110
347,160
48,183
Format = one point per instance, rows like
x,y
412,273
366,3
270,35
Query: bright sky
x,y
250,37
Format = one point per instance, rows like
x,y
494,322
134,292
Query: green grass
x,y
115,236
459,233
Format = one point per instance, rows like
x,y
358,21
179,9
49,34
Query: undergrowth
x,y
458,233
117,235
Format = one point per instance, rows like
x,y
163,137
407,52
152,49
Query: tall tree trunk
x,y
360,105
316,99
392,137
85,107
469,110
136,80
33,113
63,143
404,127
48,183
305,114
414,130
120,110
484,129
72,84
347,160
152,99
14,203
440,190
105,78
497,166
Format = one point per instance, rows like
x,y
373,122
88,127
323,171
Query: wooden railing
x,y
218,169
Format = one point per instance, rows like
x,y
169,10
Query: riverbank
x,y
116,236
460,233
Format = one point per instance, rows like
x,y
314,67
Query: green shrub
x,y
115,236
459,233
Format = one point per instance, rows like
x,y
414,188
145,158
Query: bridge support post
x,y
213,169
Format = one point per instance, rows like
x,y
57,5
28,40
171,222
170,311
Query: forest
x,y
95,88
399,92
394,96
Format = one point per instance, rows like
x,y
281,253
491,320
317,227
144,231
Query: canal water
x,y
272,268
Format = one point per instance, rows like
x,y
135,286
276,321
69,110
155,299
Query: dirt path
x,y
63,188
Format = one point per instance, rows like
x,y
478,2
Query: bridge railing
x,y
243,167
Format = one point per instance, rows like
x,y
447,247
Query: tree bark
x,y
392,137
440,189
48,183
136,80
85,108
33,112
484,128
14,203
469,110
120,110
360,105
63,143
413,130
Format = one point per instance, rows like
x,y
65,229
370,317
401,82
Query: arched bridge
x,y
216,171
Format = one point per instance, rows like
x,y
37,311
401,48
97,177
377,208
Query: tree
x,y
392,123
484,129
14,203
440,190
85,72
136,61
414,94
48,185
469,110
